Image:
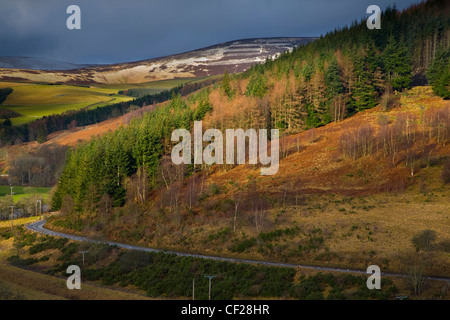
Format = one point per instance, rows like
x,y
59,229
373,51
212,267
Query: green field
x,y
34,101
157,85
12,84
24,192
38,100
154,87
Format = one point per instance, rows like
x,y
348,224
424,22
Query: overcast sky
x,y
128,30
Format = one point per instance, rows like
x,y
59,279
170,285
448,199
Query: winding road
x,y
39,227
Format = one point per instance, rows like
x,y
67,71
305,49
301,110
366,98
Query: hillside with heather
x,y
363,179
364,158
327,81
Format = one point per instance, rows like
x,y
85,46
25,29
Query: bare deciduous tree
x,y
105,207
137,186
358,143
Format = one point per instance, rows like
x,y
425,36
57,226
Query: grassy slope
x,y
373,229
29,285
360,221
157,85
17,222
12,84
35,101
383,222
24,192
21,284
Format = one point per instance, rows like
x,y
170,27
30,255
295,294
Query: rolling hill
x,y
365,154
345,212
362,168
234,56
37,64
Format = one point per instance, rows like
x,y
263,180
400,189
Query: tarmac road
x,y
39,227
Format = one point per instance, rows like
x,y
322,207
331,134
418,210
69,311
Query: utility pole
x,y
12,208
82,275
12,216
210,277
83,252
40,208
193,288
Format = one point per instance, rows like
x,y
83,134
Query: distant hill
x,y
38,64
234,56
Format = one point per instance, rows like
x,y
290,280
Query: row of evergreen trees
x,y
103,165
348,70
439,73
340,74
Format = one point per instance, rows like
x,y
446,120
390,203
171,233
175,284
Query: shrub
x,y
243,245
45,258
17,261
132,260
68,251
424,240
6,235
389,100
215,189
97,252
48,243
315,296
444,246
310,288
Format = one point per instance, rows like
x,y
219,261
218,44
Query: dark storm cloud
x,y
118,30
